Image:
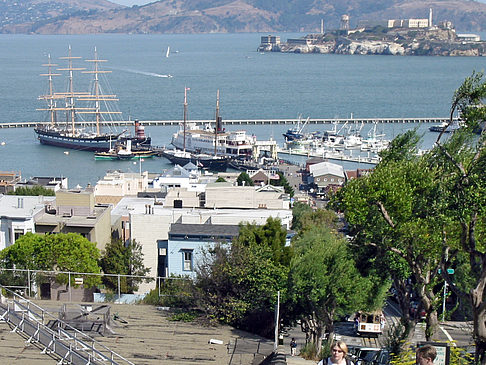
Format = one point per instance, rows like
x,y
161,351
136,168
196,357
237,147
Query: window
x,y
18,233
187,260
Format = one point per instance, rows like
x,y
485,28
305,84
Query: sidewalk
x,y
294,360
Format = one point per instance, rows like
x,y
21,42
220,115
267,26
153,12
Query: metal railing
x,y
63,341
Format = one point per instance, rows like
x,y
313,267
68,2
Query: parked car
x,y
366,355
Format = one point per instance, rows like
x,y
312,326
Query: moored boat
x,y
182,156
69,125
211,162
125,152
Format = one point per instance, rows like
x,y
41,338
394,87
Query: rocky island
x,y
410,37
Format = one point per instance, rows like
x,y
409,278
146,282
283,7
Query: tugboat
x,y
125,152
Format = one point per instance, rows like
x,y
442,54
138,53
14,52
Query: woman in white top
x,y
339,352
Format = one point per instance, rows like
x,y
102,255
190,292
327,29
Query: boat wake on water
x,y
153,74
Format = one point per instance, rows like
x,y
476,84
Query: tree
x,y
282,181
238,283
462,159
220,179
324,283
395,211
244,179
126,261
35,190
55,252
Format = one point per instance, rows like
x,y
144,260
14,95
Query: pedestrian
x,y
382,321
293,347
339,353
425,355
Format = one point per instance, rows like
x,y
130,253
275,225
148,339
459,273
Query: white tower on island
x,y
430,18
345,22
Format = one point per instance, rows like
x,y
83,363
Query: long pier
x,y
434,120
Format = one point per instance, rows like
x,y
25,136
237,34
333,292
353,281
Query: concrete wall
x,y
147,229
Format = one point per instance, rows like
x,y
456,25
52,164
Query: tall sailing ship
x,y
76,118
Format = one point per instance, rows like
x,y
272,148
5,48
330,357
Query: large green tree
x,y
462,160
55,252
394,212
238,282
324,283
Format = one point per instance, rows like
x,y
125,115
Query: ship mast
x,y
216,126
70,95
51,104
97,96
185,115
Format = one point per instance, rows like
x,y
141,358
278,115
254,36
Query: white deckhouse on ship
x,y
201,140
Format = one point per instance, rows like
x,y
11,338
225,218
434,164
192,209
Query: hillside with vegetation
x,y
224,16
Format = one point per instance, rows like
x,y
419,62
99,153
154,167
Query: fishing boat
x,y
182,156
446,127
295,133
76,118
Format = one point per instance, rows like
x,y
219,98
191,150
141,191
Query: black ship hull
x,y
205,161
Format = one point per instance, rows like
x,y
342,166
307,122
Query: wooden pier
x,y
435,120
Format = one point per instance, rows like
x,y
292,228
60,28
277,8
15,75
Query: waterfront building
x,y
262,177
48,182
468,38
75,211
8,180
18,215
186,177
325,174
117,184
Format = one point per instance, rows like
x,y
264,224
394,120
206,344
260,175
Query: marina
x,y
399,94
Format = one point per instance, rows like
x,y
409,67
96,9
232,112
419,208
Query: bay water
x,y
252,86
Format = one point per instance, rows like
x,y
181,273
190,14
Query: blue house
x,y
183,251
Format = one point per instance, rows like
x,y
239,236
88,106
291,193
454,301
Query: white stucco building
x,y
18,214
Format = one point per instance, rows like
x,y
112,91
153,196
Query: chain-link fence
x,y
78,286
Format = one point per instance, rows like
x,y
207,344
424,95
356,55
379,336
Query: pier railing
x,y
434,120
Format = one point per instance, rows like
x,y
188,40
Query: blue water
x,y
252,85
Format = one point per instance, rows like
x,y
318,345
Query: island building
x,y
411,23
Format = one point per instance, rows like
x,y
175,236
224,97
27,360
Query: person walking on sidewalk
x,y
293,347
339,352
